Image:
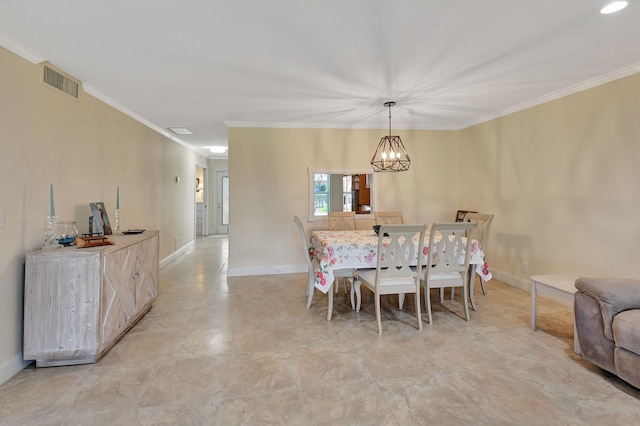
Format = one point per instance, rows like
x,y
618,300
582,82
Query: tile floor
x,y
244,350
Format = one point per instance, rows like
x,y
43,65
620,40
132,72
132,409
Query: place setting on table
x,y
335,250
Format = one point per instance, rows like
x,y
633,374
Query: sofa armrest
x,y
614,295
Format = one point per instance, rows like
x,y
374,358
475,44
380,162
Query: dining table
x,y
357,249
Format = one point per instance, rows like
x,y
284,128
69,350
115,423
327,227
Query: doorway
x,y
222,201
202,200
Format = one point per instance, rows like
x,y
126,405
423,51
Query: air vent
x,y
60,82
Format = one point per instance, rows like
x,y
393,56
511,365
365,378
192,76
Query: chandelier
x,y
390,155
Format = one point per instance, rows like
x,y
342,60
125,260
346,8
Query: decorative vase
x,y
67,233
50,232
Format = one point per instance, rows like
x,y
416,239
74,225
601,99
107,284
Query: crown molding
x,y
570,90
288,125
20,49
91,90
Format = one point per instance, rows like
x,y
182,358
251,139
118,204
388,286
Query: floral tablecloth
x,y
357,250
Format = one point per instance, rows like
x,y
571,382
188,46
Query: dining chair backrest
x,y
449,248
399,246
482,230
304,242
395,218
448,264
397,251
313,268
365,221
342,221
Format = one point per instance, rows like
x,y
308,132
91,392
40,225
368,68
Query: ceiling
x,y
206,65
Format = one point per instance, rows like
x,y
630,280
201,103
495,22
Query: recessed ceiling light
x,y
614,6
181,130
218,149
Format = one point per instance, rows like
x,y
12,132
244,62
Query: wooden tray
x,y
94,241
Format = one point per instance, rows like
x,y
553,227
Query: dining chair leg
x,y
352,296
418,310
472,279
350,281
484,290
427,303
378,317
310,289
400,300
330,307
464,303
356,285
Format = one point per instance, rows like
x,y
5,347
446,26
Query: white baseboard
x,y
173,256
12,367
521,283
266,270
525,284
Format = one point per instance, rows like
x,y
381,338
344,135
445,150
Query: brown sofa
x,y
607,318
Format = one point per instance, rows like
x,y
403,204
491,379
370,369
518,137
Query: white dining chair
x,y
393,273
482,236
313,268
342,221
386,218
448,262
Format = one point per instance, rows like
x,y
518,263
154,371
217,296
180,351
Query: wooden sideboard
x,y
79,302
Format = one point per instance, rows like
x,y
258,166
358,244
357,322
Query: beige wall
x,y
563,180
86,149
268,186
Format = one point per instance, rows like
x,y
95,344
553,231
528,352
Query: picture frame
x,y
100,223
461,215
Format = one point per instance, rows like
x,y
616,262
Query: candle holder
x,y
50,234
117,224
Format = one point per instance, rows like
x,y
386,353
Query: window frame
x,y
371,176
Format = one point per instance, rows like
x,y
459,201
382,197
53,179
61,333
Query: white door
x,y
222,202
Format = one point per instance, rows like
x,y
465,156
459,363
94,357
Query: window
x,y
340,190
321,194
347,195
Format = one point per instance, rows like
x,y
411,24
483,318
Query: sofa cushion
x,y
613,294
627,366
626,330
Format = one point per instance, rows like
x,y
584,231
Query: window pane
x,y
321,194
321,205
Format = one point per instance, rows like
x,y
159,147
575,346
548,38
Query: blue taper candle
x,y
53,207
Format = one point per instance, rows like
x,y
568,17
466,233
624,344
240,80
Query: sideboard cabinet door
x,y
146,273
62,292
118,298
129,285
